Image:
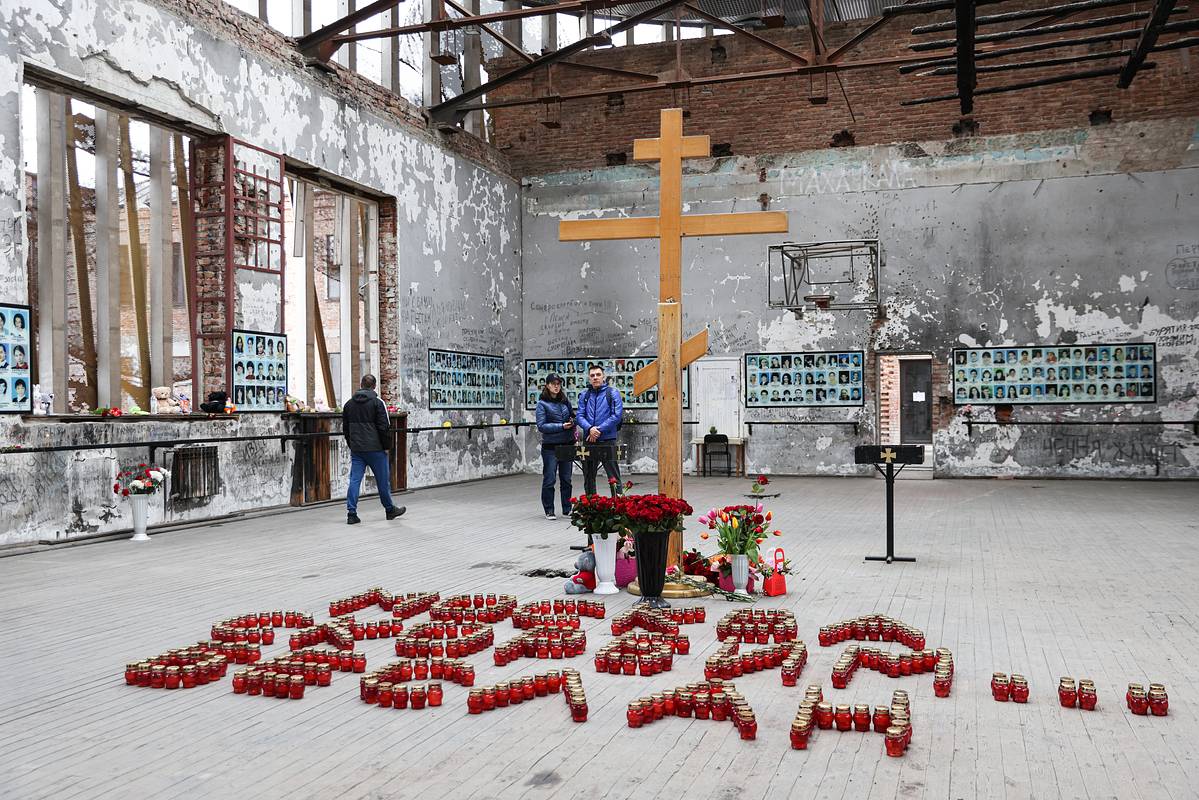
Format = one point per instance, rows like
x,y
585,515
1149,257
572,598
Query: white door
x,y
716,395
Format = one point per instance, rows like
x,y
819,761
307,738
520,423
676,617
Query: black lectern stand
x,y
584,452
889,455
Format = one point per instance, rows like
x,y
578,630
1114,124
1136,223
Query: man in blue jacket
x,y
599,415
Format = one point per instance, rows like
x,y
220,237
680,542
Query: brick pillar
x,y
209,300
389,305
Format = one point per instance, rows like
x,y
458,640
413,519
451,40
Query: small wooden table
x,y
739,463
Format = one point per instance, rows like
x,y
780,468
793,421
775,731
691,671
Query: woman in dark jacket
x,y
555,421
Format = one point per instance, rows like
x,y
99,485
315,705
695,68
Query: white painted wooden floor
x,y
1047,578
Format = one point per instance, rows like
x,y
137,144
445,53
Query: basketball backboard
x,y
826,276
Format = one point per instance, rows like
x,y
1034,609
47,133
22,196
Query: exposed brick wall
x,y
774,115
389,304
227,22
208,177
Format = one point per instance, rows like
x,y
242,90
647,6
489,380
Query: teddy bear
x,y
43,401
583,580
162,401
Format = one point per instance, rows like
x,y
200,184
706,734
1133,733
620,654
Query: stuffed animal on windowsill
x,y
583,580
162,401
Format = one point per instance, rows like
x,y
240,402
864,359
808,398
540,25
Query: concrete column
x,y
161,262
513,28
371,237
301,17
668,31
472,59
430,69
108,262
390,53
349,318
51,355
549,33
347,54
588,23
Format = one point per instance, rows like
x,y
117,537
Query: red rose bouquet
x,y
652,513
597,515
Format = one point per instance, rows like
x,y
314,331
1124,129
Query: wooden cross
x,y
669,227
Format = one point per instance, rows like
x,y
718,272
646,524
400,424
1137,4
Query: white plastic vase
x,y
740,574
140,503
605,562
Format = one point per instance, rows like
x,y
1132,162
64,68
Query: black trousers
x,y
603,453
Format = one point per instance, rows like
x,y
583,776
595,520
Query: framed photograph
x,y
825,378
16,360
618,371
258,362
1055,374
459,380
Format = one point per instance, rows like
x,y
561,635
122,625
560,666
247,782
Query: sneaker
x,y
550,516
352,519
396,511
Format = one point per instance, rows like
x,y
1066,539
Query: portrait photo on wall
x,y
1064,374
618,371
827,378
259,362
16,359
459,380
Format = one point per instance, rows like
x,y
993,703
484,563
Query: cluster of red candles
x,y
1014,688
564,622
874,628
894,721
893,665
514,692
714,699
655,620
728,662
376,629
185,668
464,608
794,664
758,626
412,604
1142,702
453,670
647,653
258,628
371,597
287,676
437,639
527,616
340,660
400,695
541,643
236,640
1081,694
943,672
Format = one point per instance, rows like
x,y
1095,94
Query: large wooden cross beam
x,y
669,227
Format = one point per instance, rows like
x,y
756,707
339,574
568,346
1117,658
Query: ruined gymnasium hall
x,y
607,399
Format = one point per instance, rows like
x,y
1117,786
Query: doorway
x,y
905,394
716,400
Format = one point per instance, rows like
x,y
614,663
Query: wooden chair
x,y
716,448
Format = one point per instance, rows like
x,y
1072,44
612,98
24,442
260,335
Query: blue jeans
x,y
377,461
552,468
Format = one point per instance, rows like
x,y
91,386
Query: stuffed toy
x,y
42,401
583,580
215,404
162,401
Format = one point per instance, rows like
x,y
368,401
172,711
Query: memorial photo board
x,y
460,380
16,360
259,362
826,378
618,371
1075,373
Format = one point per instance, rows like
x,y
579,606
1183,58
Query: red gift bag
x,y
776,584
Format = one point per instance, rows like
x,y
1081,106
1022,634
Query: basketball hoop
x,y
821,301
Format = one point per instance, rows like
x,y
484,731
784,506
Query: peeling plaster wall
x,y
1076,235
459,272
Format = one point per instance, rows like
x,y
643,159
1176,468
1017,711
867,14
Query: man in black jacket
x,y
368,433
